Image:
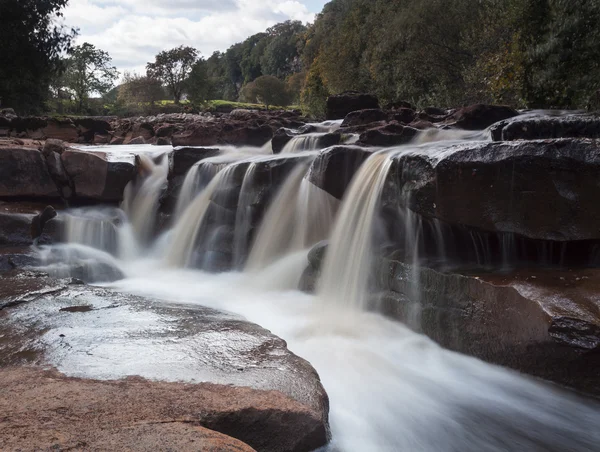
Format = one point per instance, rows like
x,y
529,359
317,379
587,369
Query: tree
x,y
270,90
139,90
88,72
281,57
31,42
173,68
200,87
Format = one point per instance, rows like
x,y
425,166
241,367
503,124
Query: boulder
x,y
237,133
96,178
162,141
545,190
404,115
545,127
340,105
481,116
60,128
183,158
21,223
335,167
392,134
435,111
24,174
53,145
361,117
136,140
100,139
281,137
254,390
245,134
89,127
165,131
142,130
541,322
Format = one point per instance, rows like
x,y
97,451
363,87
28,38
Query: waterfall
x,y
197,178
348,260
187,228
308,142
95,228
300,216
141,198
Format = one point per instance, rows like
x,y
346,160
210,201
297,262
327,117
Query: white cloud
x,y
133,31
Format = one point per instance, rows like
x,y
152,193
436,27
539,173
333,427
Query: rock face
x,y
361,117
24,174
334,168
542,322
536,127
231,132
392,134
254,389
543,190
481,116
340,105
96,178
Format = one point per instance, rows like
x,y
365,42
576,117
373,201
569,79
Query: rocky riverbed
x,y
150,274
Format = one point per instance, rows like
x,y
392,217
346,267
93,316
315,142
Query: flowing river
x,y
390,388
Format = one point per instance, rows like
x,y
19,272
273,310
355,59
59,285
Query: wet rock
x,y
481,116
183,158
136,140
404,115
334,168
96,178
255,390
38,223
531,128
361,117
53,145
281,137
392,134
340,105
163,141
24,174
545,323
543,190
235,417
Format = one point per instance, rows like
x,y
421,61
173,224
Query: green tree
x,y
31,42
140,91
267,90
88,72
200,87
173,67
281,56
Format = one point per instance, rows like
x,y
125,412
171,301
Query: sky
x,y
133,31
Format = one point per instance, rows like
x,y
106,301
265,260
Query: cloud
x,y
133,31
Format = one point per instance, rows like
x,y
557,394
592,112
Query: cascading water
x,y
390,388
141,198
348,259
300,216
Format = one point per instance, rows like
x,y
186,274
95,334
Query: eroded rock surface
x,y
276,401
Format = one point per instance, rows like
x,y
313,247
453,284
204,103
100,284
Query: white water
x,y
390,388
